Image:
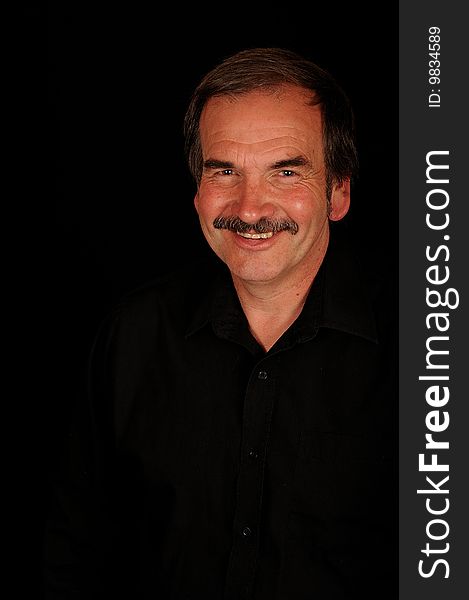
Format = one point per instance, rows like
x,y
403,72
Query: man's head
x,y
268,68
269,138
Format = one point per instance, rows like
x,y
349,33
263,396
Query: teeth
x,y
256,236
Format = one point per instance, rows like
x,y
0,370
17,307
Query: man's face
x,y
263,159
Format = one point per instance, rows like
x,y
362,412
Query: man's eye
x,y
226,172
287,173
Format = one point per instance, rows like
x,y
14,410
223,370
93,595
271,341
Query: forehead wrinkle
x,y
240,152
269,133
257,114
264,145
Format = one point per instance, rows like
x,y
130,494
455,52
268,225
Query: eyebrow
x,y
296,161
212,163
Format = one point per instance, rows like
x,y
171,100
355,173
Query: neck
x,y
271,307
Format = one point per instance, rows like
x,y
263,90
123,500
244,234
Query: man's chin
x,y
255,274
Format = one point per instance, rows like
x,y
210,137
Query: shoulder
x,y
366,276
163,302
378,268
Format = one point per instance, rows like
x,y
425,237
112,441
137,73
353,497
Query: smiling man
x,y
238,435
262,200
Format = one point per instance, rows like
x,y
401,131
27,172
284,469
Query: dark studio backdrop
x,y
120,77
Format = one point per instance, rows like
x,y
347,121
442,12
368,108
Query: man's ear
x,y
340,200
196,201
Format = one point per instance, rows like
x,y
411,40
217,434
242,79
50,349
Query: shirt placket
x,y
257,418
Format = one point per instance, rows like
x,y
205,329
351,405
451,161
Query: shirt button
x,y
252,454
262,375
246,532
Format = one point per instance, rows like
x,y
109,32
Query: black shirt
x,y
202,467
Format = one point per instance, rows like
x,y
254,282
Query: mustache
x,y
263,225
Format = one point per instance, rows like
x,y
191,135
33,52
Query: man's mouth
x,y
256,236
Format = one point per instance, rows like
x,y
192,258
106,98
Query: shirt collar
x,y
339,299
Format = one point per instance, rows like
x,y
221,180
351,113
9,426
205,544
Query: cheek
x,y
211,202
304,204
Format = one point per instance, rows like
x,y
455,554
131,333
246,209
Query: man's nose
x,y
253,202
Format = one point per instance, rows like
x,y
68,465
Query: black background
x,y
120,77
